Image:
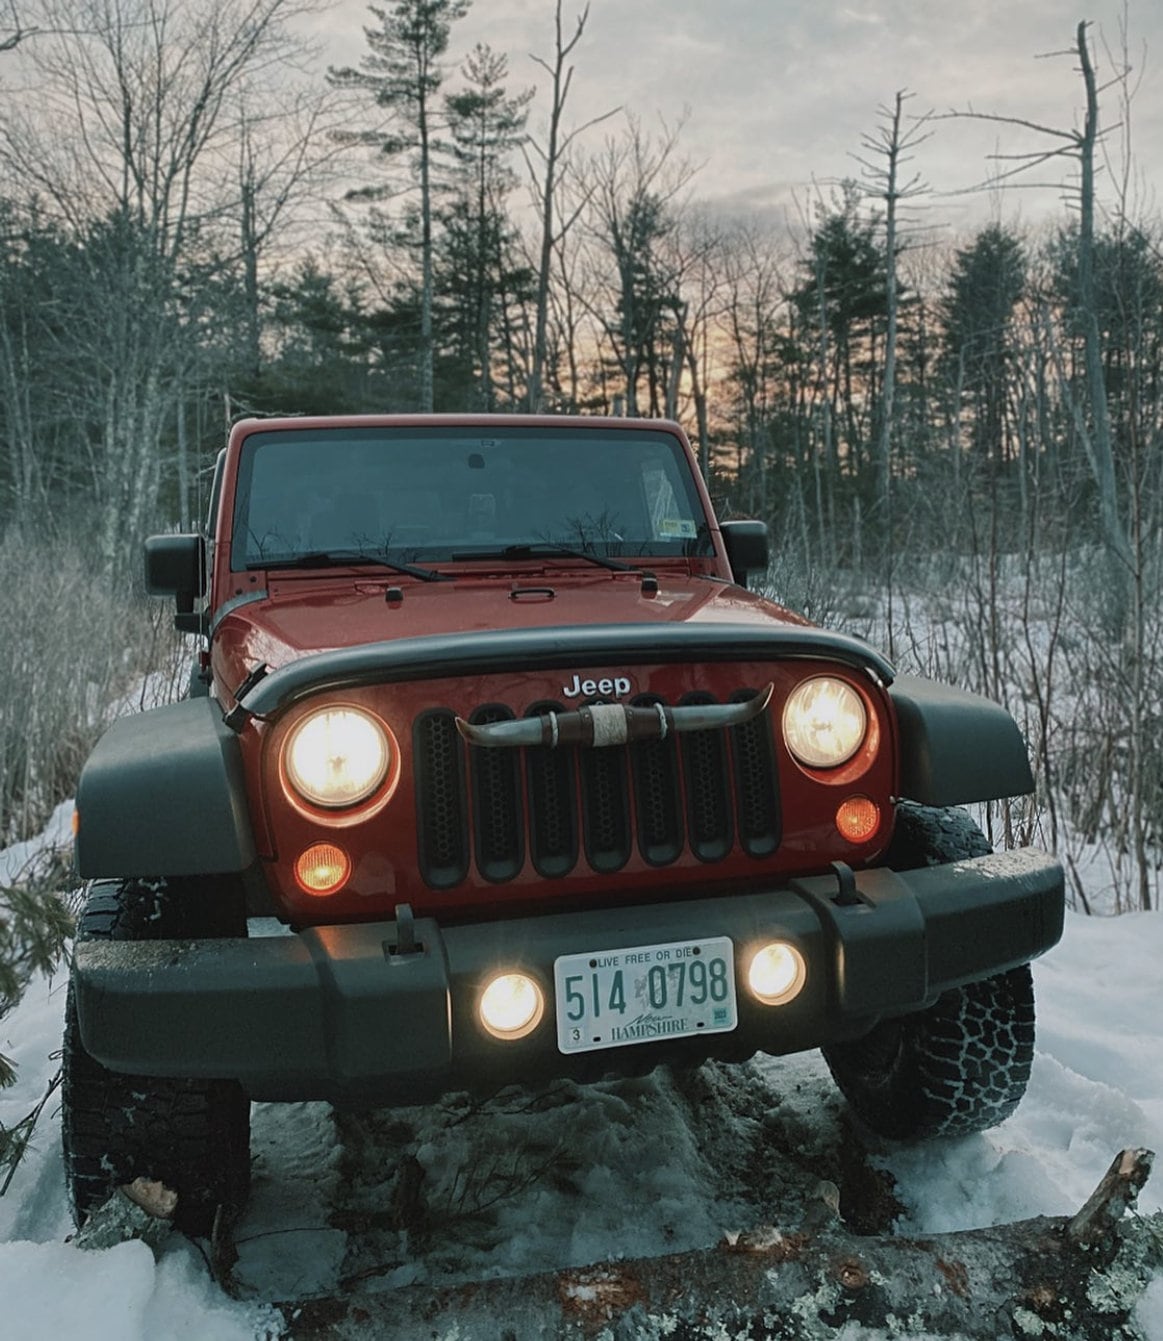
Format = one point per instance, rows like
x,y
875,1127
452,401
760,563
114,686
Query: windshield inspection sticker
x,y
670,528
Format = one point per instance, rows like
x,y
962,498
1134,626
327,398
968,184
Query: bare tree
x,y
632,222
1093,337
285,159
12,29
697,265
136,104
891,144
752,330
1094,431
126,147
553,157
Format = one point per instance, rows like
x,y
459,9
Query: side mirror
x,y
748,548
175,565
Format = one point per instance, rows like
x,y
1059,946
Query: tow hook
x,y
846,894
406,943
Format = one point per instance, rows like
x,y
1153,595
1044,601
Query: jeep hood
x,y
295,616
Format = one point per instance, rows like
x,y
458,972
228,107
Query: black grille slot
x,y
552,791
605,807
441,808
756,792
498,820
657,797
708,789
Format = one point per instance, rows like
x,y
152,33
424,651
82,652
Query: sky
x,y
778,94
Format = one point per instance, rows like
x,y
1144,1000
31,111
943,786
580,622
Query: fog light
x,y
322,869
511,1006
858,819
777,973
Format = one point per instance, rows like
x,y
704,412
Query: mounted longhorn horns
x,y
601,724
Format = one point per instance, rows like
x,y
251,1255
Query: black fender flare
x,y
956,747
163,793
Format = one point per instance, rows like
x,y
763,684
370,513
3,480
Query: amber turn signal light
x,y
322,868
858,819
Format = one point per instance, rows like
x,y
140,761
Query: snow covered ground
x,y
616,1170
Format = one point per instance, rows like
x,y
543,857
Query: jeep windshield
x,y
433,494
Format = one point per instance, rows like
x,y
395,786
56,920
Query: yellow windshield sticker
x,y
676,528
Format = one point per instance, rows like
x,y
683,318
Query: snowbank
x,y
629,1169
117,1295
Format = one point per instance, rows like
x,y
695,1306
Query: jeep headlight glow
x,y
336,757
824,722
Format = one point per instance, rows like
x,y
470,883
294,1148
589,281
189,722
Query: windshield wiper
x,y
320,558
532,551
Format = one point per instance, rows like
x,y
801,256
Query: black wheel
x,y
192,1135
961,1066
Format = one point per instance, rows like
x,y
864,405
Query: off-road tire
x,y
192,1135
962,1065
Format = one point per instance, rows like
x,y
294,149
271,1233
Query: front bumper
x,y
334,1012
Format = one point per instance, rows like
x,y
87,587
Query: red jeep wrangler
x,y
489,722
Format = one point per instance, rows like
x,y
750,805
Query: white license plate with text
x,y
645,994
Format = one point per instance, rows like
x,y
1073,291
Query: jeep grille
x,y
703,792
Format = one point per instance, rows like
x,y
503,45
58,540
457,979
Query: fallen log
x,y
143,1209
1076,1277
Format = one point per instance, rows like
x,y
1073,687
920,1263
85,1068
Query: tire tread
x,y
962,1065
192,1135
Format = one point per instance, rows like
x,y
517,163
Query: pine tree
x,y
842,297
34,925
480,273
404,76
987,282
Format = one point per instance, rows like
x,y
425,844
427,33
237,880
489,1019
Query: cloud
x,y
782,93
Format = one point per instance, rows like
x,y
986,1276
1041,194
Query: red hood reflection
x,y
298,615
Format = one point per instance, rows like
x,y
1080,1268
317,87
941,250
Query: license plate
x,y
645,994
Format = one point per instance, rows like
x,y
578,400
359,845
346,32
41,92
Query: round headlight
x,y
337,757
824,722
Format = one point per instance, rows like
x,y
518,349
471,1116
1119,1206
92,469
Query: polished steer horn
x,y
601,724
